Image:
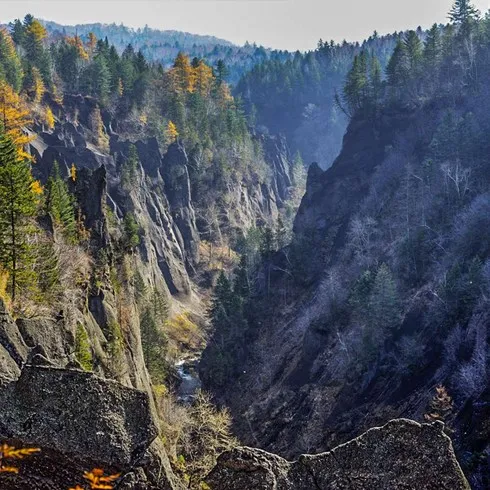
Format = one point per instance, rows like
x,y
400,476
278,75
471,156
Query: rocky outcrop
x,y
79,421
400,455
175,175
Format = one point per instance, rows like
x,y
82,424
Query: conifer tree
x,y
17,206
60,205
153,338
10,64
36,54
383,303
398,67
129,168
463,12
414,51
433,48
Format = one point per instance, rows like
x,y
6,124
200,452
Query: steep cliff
x,y
98,321
382,296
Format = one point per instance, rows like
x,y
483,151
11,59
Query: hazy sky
x,y
286,24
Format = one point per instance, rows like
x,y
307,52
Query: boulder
x,y
401,455
80,421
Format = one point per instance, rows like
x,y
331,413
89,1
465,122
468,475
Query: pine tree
x,y
36,54
101,79
10,64
129,168
221,72
383,303
60,205
398,66
241,284
17,207
153,338
356,84
433,48
463,12
414,50
375,79
131,232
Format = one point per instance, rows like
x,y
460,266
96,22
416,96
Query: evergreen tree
x,y
153,338
433,48
241,285
36,54
17,30
398,66
383,303
130,168
356,84
101,79
131,232
414,51
462,12
10,64
60,205
221,72
17,207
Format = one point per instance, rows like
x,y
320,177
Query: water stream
x,y
189,379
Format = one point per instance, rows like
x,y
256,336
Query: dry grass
x,y
183,334
217,258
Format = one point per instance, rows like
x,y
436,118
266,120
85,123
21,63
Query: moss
x,y
83,351
115,339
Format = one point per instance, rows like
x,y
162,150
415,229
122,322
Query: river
x,y
189,380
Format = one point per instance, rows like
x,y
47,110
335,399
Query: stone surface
x,y
80,421
401,455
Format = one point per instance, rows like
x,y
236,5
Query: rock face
x,y
401,455
79,421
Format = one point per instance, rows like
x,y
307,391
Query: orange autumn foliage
x,y
204,78
10,452
78,44
182,75
98,480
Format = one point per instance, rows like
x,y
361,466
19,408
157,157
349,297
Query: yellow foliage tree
x,y
14,117
171,133
36,188
38,88
182,75
224,95
49,118
73,172
97,126
91,43
204,78
77,42
37,31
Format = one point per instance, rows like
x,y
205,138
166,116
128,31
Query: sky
x,y
281,24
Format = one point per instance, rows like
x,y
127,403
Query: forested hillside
x,y
296,97
163,46
379,307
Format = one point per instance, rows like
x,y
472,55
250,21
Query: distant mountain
x,y
163,46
